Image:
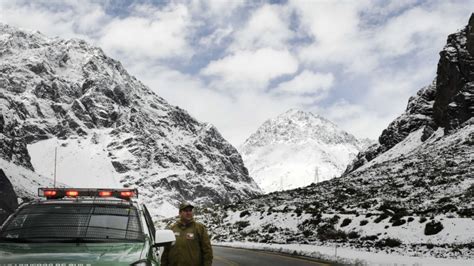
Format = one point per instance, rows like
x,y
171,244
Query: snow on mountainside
x,y
296,149
25,182
82,162
411,194
109,128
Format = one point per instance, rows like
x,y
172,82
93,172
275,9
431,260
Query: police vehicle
x,y
71,226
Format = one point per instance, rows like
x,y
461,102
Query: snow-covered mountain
x,y
109,128
296,149
410,194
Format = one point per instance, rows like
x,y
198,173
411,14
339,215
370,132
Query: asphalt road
x,y
224,256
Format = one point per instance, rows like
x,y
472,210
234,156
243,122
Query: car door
x,y
152,231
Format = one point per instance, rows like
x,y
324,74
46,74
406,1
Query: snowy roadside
x,y
347,255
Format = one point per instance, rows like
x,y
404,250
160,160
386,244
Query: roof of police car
x,y
86,200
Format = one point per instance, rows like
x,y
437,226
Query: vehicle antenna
x,y
55,156
281,183
316,175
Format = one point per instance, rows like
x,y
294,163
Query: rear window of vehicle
x,y
74,222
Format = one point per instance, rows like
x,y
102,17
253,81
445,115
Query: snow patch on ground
x,y
347,255
403,148
455,230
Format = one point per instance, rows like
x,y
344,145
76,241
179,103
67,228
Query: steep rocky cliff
x,y
447,103
69,90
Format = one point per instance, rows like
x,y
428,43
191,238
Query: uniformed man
x,y
192,247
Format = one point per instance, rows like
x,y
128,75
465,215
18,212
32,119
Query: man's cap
x,y
185,205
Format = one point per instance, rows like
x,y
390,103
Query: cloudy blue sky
x,y
238,63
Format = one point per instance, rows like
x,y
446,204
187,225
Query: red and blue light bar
x,y
58,193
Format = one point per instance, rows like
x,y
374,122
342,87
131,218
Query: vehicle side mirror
x,y
164,238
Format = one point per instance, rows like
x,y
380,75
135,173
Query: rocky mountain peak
x,y
298,148
295,126
299,115
72,91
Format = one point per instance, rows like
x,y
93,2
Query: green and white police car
x,y
82,227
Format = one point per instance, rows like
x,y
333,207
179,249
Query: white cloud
x,y
359,36
336,33
307,82
389,49
267,27
246,70
217,37
236,117
356,119
329,21
75,20
160,35
389,91
218,19
216,10
149,33
418,29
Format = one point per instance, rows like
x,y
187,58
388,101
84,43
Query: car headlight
x,y
141,263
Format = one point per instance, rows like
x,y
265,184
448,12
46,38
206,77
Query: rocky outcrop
x,y
447,103
8,197
454,100
470,36
13,149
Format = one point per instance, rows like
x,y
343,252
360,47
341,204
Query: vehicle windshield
x,y
73,223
